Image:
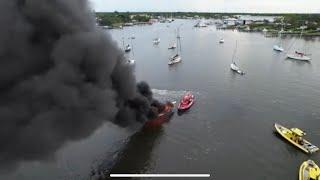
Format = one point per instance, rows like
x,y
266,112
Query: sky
x,y
248,6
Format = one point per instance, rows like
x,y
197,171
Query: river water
x,y
228,133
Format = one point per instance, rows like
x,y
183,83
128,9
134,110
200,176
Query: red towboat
x,y
162,118
186,102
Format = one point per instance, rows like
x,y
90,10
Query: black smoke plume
x,y
61,77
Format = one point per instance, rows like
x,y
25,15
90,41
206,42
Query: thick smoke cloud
x,y
61,77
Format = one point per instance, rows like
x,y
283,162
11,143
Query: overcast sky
x,y
263,6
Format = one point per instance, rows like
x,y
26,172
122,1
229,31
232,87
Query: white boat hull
x,y
156,41
128,49
131,61
236,69
174,60
221,41
278,48
173,46
298,57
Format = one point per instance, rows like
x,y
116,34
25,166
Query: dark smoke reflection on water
x,y
61,78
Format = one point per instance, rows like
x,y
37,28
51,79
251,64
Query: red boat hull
x,y
182,106
162,117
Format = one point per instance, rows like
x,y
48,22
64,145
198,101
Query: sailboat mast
x,y
302,48
132,49
280,33
234,52
178,44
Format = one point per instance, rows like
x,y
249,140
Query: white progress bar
x,y
159,175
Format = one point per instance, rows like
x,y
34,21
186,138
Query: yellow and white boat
x,y
294,135
309,171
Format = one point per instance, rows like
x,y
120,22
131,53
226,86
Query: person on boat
x,y
300,141
300,53
185,100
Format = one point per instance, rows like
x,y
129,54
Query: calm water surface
x,y
228,133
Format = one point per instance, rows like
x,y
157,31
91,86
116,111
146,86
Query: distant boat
x,y
200,24
300,55
131,61
132,37
233,64
221,41
127,48
278,47
156,41
173,46
178,33
176,58
265,30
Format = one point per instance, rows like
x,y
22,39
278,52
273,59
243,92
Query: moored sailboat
x,y
176,58
233,65
156,41
278,47
300,55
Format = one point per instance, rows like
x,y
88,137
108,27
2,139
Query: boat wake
x,y
169,95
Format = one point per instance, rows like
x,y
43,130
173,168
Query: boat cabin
x,y
298,132
314,174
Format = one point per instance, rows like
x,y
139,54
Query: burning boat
x,y
163,116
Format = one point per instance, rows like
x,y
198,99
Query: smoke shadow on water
x,y
135,157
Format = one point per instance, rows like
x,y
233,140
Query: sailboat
x,y
131,60
173,46
178,33
176,58
126,48
200,24
221,41
233,65
299,55
278,47
156,41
